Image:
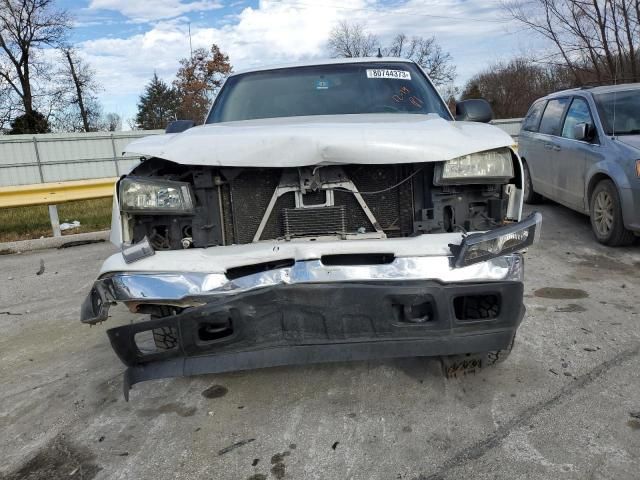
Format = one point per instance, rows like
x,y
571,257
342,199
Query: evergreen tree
x,y
157,105
33,123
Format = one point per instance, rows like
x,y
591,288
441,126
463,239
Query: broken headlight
x,y
479,247
155,196
481,167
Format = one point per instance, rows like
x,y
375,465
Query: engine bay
x,y
243,205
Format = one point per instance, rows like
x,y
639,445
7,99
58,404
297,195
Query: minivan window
x,y
351,88
624,107
578,113
552,116
532,120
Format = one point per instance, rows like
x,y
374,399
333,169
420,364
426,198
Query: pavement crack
x,y
235,445
478,449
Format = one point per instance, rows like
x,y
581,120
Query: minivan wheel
x,y
530,196
606,216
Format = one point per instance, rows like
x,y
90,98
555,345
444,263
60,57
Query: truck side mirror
x,y
474,110
583,131
178,126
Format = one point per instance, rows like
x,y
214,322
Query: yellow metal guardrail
x,y
56,193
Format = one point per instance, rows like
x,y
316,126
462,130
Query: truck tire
x,y
455,366
530,196
165,338
606,216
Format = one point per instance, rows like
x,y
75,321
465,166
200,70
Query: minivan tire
x,y
606,216
530,196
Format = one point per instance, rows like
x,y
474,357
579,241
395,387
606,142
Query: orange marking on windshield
x,y
401,96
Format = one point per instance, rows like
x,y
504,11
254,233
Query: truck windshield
x,y
376,87
624,107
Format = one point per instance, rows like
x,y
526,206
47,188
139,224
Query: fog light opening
x,y
477,307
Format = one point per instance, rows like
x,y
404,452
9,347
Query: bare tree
x,y
26,26
427,53
7,105
597,40
133,124
351,40
79,108
112,122
512,87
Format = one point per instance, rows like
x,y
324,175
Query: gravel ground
x,y
565,405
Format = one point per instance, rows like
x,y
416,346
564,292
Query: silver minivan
x,y
581,148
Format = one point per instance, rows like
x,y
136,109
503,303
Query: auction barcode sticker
x,y
384,73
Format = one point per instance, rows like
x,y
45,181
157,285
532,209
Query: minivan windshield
x,y
624,107
353,88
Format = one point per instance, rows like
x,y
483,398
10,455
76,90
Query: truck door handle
x,y
548,146
556,148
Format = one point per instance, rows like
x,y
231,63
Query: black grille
x,y
246,196
314,221
251,192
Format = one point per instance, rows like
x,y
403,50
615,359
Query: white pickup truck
x,y
323,212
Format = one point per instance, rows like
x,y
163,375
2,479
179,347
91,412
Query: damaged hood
x,y
323,140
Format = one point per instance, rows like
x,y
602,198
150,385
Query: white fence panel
x,y
509,125
59,157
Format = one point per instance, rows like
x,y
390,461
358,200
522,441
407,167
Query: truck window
x,y
338,89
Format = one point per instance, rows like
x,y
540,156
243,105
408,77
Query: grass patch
x,y
23,223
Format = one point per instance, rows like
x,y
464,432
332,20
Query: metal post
x,y
115,155
55,221
35,146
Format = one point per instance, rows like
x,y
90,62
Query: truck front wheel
x,y
454,366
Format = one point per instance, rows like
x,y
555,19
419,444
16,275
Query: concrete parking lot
x,y
565,405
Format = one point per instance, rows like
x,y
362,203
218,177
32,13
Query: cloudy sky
x,y
127,40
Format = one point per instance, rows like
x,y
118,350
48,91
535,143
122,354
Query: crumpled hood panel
x,y
323,140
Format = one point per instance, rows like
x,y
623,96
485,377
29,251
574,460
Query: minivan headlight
x,y
480,167
153,196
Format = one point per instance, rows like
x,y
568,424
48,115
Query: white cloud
x,y
279,31
144,10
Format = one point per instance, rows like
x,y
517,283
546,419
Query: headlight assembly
x,y
481,167
152,196
479,247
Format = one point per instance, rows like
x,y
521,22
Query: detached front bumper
x,y
310,313
323,323
312,310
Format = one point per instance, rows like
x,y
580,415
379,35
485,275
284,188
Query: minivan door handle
x,y
556,148
548,146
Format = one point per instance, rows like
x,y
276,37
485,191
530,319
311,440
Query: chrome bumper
x,y
185,289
